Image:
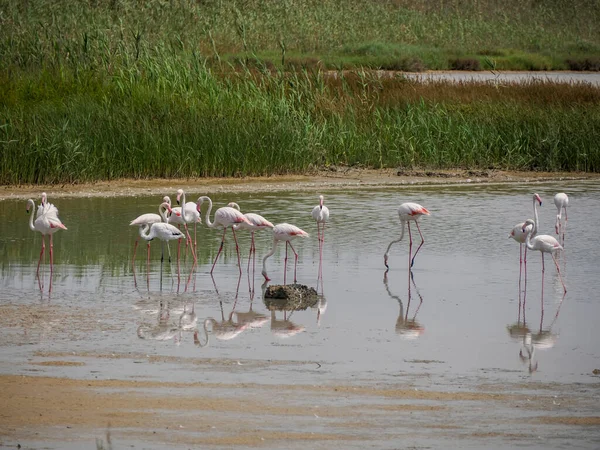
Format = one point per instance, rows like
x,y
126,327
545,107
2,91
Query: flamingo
x,y
519,235
148,219
561,200
284,232
320,214
47,223
163,231
257,222
408,212
544,243
224,217
189,214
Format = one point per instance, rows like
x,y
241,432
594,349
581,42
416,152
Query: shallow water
x,y
453,326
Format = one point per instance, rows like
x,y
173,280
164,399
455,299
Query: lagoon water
x,y
458,319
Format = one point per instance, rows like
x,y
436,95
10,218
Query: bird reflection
x,y
407,328
282,328
164,329
531,341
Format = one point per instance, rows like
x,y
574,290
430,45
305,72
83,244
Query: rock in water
x,y
290,297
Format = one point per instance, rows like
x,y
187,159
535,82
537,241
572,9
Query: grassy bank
x,y
104,90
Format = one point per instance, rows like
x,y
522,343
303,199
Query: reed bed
x,y
101,90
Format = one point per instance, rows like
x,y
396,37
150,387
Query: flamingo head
x,y
321,201
528,226
264,274
179,194
44,198
167,199
537,198
385,260
233,205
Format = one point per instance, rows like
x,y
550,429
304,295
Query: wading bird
x,y
255,222
408,212
320,214
189,214
561,201
162,231
224,217
47,223
148,219
519,235
544,243
284,232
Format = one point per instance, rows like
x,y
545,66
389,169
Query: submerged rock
x,y
290,297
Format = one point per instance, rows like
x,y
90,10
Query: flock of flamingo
x,y
162,226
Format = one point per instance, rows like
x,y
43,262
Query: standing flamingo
x,y
544,243
320,213
284,232
47,223
257,222
408,212
561,200
148,219
162,231
520,236
189,214
224,217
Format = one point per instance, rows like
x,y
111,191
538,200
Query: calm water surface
x,y
460,320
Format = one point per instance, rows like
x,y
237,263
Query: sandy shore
x,y
323,179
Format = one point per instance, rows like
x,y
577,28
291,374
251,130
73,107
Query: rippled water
x,y
459,318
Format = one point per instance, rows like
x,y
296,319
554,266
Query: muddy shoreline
x,y
318,180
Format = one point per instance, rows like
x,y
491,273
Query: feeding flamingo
x,y
189,214
543,243
284,232
561,200
320,213
408,212
224,217
47,223
148,219
162,231
520,236
257,222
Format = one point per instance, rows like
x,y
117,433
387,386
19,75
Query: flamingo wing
x,y
145,219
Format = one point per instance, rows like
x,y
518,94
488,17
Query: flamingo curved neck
x,y
402,224
267,256
146,232
207,215
32,203
184,210
535,218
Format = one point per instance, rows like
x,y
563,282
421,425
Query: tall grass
x,y
94,90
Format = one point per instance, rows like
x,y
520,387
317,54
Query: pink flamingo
x,y
162,231
47,223
520,236
284,232
408,212
257,222
543,243
189,214
320,214
224,217
148,219
561,200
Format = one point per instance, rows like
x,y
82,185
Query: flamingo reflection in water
x,y
281,328
407,328
164,329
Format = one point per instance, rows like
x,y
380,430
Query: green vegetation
x,y
109,89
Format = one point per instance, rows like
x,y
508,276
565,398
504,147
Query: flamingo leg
x,y
134,250
420,245
237,249
252,249
520,270
410,261
525,287
220,250
295,260
559,275
148,258
543,271
41,254
285,261
169,252
51,256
